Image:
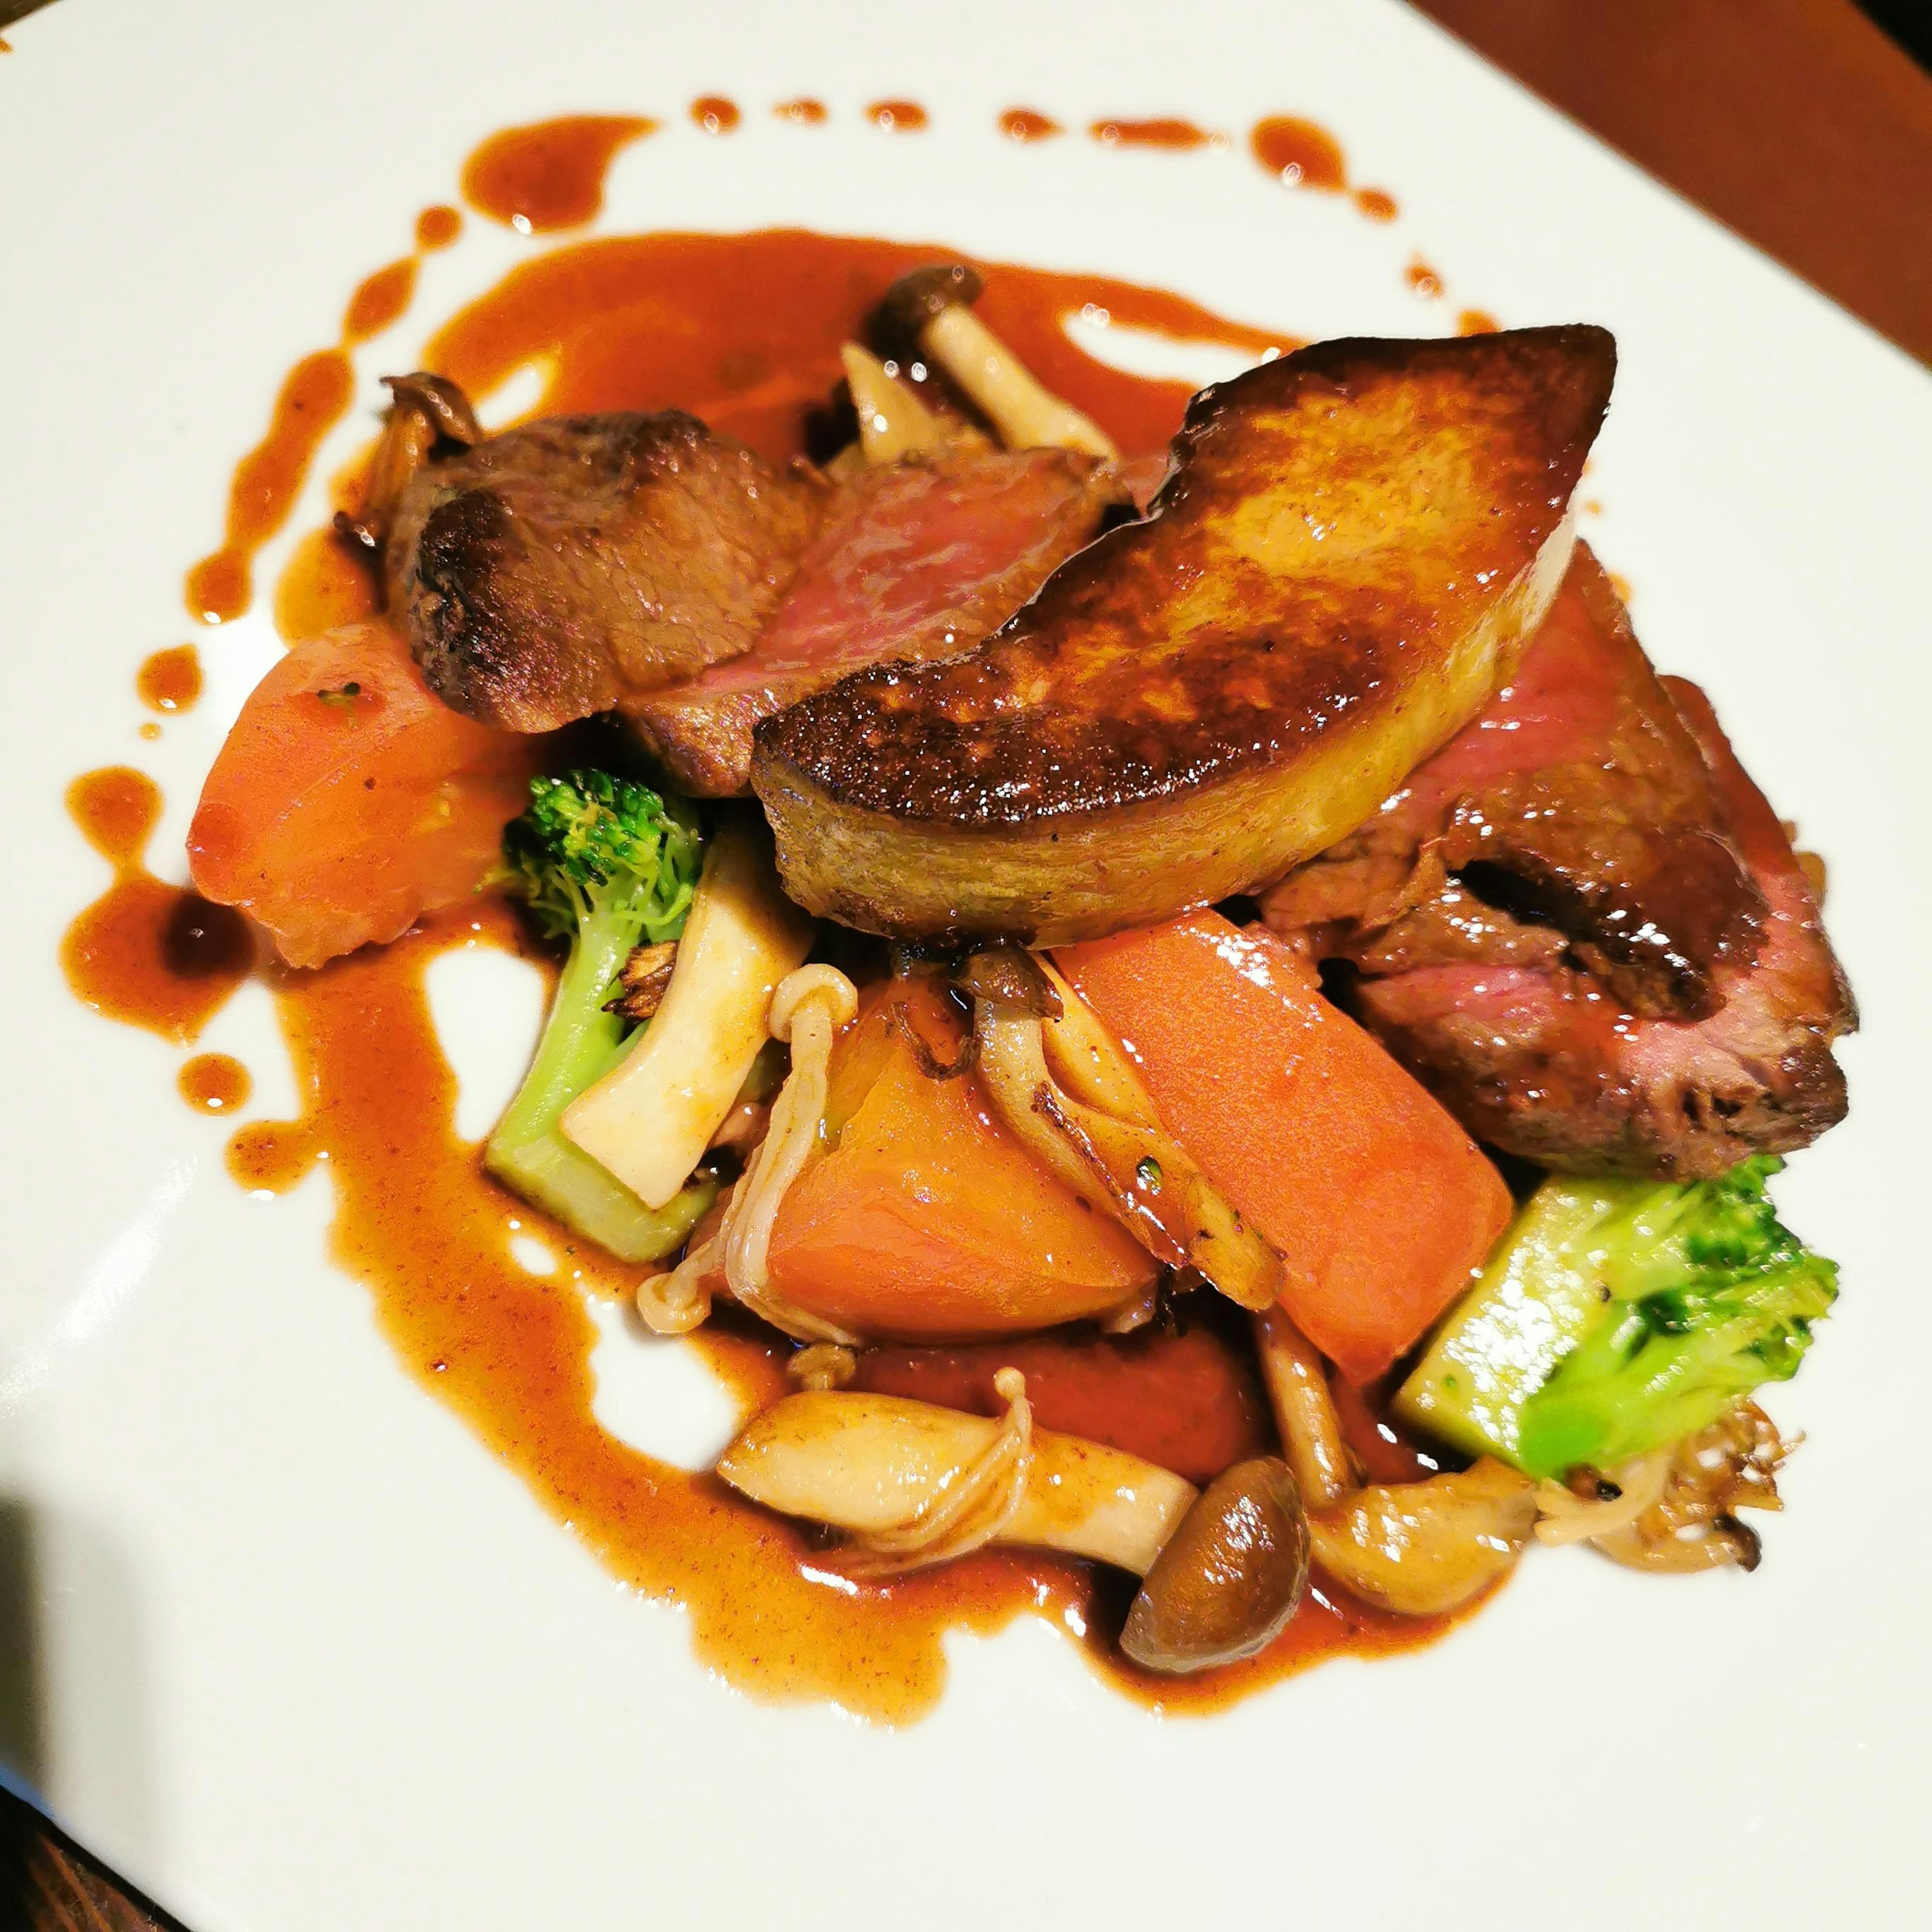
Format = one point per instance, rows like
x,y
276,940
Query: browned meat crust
x,y
1353,543
915,559
1537,1034
558,569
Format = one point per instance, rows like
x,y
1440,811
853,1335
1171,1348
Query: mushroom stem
x,y
870,1464
1304,1411
893,422
1027,415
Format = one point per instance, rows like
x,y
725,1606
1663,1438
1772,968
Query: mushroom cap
x,y
915,298
1228,1579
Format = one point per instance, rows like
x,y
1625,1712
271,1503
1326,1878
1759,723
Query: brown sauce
x,y
314,398
897,117
325,583
154,955
550,174
437,227
170,680
148,732
805,112
1477,321
715,114
1299,155
1163,132
1423,280
1376,203
378,302
1026,123
213,1083
744,331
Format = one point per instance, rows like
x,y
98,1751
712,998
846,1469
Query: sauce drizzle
x,y
551,174
379,301
156,956
1163,132
1299,155
313,399
437,227
805,112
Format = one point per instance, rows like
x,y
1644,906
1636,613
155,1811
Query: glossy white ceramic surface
x,y
305,1656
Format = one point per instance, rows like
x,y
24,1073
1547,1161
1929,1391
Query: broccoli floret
x,y
609,865
1617,1316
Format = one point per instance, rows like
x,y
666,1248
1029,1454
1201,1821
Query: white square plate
x,y
303,1656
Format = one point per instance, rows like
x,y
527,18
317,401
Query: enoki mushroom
x,y
973,1507
807,1010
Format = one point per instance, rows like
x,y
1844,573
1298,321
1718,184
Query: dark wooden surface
x,y
1796,122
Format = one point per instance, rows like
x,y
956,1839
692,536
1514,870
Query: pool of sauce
x,y
744,331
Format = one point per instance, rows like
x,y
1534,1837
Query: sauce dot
x,y
1477,321
437,227
1424,281
170,680
1298,154
803,112
379,301
901,117
215,1083
715,114
1160,132
1376,203
1027,124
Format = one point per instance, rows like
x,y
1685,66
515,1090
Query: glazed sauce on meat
x,y
1026,123
550,174
1163,132
745,331
169,680
152,955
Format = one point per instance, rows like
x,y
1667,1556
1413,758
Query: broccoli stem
x,y
580,1043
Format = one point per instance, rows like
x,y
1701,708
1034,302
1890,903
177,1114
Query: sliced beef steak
x,y
1581,925
914,560
561,568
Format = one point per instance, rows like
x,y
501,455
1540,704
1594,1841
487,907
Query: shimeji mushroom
x,y
1419,1549
893,422
424,411
931,309
912,1484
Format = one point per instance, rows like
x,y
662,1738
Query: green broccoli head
x,y
1618,1316
607,864
591,840
1707,1296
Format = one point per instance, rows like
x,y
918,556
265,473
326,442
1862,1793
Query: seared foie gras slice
x,y
1353,545
915,559
558,569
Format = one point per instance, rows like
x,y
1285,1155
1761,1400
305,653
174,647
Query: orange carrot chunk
x,y
348,799
926,1221
1378,1202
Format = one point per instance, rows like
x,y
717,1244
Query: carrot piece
x,y
927,1221
1378,1203
348,799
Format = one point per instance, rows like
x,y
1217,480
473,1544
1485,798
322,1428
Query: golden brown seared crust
x,y
555,570
1354,543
